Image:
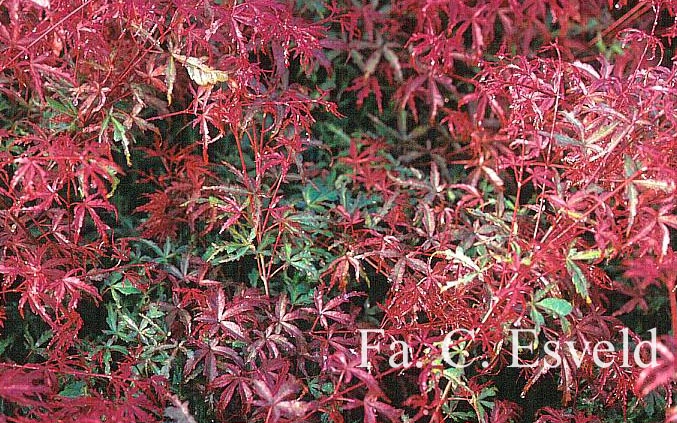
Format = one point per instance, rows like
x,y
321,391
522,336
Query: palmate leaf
x,y
89,206
556,306
199,72
578,278
73,286
303,261
217,316
224,252
178,412
375,410
277,400
120,134
207,353
24,387
330,311
663,371
348,365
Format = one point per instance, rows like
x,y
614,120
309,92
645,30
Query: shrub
x,y
205,204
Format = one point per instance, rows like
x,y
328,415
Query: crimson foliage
x,y
200,208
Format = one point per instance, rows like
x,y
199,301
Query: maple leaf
x,y
24,387
375,410
283,318
164,220
178,319
73,286
662,372
29,173
232,381
365,86
504,412
88,205
331,310
208,352
272,342
276,400
348,366
216,316
178,412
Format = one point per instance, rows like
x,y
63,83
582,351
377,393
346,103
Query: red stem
x,y
673,306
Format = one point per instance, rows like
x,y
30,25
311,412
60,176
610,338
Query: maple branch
x,y
48,31
673,305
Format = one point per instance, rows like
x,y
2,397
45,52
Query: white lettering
x,y
447,343
652,346
602,347
552,353
404,352
516,347
364,348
